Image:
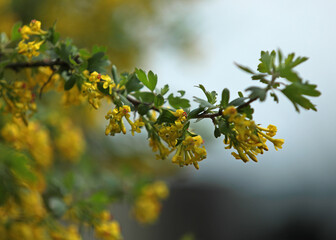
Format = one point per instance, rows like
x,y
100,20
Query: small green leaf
x,y
98,62
217,132
125,100
295,92
210,96
115,74
177,102
238,101
152,78
181,92
142,77
275,97
147,97
166,116
203,103
247,110
240,94
245,69
258,76
16,35
257,92
158,100
132,83
143,109
223,126
267,62
71,82
225,98
195,112
164,90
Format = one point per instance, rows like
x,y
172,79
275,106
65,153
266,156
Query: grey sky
x,y
237,31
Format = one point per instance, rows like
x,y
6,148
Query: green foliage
x,y
178,102
283,69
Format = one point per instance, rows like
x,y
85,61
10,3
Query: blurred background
x,y
290,194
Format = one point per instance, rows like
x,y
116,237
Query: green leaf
x,y
53,35
257,92
143,78
71,82
267,62
15,34
181,92
225,98
143,109
164,90
115,74
178,102
289,74
158,100
133,84
147,97
152,78
66,50
19,164
96,49
98,201
203,103
194,113
125,100
166,117
258,76
98,62
223,126
245,69
295,91
238,101
247,110
275,97
217,132
210,96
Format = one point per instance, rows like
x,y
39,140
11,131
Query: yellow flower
x,y
157,145
190,152
25,31
35,27
108,83
29,49
146,209
116,124
108,230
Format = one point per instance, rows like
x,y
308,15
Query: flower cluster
x,y
18,97
30,48
33,138
116,123
248,138
106,228
188,151
147,205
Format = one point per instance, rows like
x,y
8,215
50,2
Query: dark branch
x,y
43,63
247,103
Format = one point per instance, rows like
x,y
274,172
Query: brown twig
x,y
46,83
43,63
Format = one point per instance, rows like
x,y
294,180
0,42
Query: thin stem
x,y
45,84
43,63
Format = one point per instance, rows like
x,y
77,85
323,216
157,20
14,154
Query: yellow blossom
x,y
109,230
29,49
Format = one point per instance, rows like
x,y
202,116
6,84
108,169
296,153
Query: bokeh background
x,y
290,194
